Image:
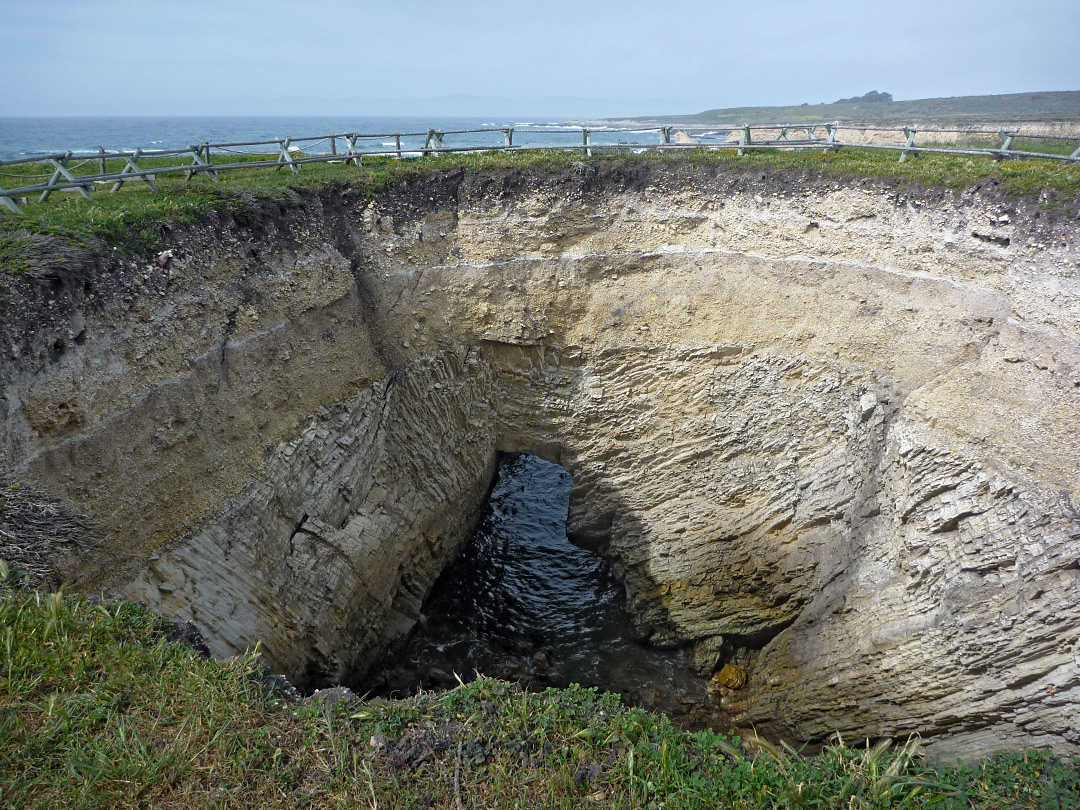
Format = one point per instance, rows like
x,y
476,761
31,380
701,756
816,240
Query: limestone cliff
x,y
828,430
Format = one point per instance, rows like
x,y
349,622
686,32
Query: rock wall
x,y
826,430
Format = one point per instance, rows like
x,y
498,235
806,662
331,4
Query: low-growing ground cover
x,y
98,708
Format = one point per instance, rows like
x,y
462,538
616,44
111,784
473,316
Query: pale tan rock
x,y
832,425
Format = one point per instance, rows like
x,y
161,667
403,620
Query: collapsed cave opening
x,y
824,429
521,602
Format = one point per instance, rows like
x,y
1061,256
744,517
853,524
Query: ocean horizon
x,y
27,136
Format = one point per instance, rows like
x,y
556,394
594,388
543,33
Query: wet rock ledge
x,y
826,431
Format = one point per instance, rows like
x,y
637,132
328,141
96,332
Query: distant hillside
x,y
1048,106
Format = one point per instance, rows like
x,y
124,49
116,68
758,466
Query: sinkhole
x,y
523,603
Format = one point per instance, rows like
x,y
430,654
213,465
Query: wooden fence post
x,y
397,140
586,141
101,159
665,135
508,134
744,139
206,155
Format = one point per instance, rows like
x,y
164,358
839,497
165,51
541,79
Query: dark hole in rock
x,y
523,603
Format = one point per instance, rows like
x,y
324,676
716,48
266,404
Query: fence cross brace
x,y
910,132
284,158
133,166
434,140
783,135
199,160
1076,153
9,202
1006,144
831,141
61,171
352,154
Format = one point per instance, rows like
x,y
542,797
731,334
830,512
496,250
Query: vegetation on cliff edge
x,y
133,219
99,709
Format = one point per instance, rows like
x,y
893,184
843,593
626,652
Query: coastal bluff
x,y
825,429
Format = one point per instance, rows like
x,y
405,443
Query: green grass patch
x,y
99,710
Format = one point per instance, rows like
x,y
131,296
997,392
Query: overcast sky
x,y
579,58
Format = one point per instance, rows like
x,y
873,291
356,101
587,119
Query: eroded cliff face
x,y
828,430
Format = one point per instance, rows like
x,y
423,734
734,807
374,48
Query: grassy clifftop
x,y
99,709
67,228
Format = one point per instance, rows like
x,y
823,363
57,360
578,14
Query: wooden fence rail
x,y
289,155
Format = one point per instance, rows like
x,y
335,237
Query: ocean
x,y
26,137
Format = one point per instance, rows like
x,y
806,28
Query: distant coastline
x,y
1012,108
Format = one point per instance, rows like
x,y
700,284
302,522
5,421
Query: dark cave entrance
x,y
522,603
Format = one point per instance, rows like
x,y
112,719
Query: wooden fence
x,y
348,147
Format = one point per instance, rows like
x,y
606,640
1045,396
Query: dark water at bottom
x,y
523,603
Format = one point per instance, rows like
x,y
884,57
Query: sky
x,y
554,58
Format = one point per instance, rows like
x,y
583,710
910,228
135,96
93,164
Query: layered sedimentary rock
x,y
826,430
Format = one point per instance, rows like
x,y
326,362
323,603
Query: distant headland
x,y
879,108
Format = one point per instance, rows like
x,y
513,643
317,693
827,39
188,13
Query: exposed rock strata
x,y
830,430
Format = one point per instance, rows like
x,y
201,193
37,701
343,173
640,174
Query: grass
x,y
132,219
99,710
